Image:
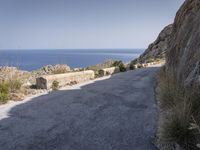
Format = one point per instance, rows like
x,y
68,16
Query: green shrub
x,y
4,92
55,85
120,64
122,68
117,63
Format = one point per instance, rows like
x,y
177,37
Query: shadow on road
x,y
118,113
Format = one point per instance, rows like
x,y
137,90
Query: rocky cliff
x,y
183,55
158,48
180,82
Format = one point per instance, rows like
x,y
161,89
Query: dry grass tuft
x,y
8,87
4,92
179,106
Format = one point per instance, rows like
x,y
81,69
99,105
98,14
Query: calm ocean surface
x,y
35,59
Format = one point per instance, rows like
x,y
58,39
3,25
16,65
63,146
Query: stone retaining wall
x,y
45,82
108,71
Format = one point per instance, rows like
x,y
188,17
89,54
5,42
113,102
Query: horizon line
x,y
70,48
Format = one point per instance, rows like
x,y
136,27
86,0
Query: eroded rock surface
x,y
157,50
184,45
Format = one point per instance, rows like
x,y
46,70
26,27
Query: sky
x,y
83,24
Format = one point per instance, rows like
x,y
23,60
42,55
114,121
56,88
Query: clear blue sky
x,y
49,24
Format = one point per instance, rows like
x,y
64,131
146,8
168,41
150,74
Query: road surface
x,y
118,113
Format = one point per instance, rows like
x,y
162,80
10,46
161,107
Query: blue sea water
x,y
76,58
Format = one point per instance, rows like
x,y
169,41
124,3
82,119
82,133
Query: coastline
x,y
30,60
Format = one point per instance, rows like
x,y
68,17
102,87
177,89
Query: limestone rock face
x,y
183,55
157,49
180,79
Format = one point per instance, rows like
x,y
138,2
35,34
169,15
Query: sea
x,y
75,58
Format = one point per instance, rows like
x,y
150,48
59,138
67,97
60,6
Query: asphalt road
x,y
118,113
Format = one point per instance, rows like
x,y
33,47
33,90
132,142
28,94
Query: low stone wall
x,y
144,65
45,82
108,71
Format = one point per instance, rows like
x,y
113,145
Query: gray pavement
x,y
118,113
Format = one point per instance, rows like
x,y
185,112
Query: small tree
x,y
120,64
